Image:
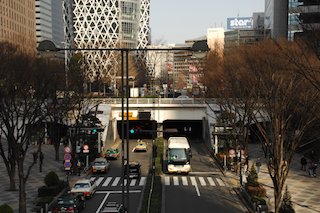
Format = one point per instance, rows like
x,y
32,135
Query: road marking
x,y
193,181
99,180
211,182
116,181
202,181
184,181
92,178
175,181
103,201
117,192
221,183
167,181
106,183
133,182
142,181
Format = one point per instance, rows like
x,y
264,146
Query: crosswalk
x,y
116,181
186,181
168,180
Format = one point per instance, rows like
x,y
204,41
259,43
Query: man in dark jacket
x,y
303,163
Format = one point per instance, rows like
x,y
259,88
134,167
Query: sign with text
x,y
239,23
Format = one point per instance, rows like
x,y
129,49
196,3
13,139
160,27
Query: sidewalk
x,y
304,190
36,178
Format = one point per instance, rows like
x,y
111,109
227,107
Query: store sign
x,y
239,23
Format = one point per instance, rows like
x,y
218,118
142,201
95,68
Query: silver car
x,y
100,165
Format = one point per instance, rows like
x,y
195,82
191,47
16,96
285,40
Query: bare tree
x,y
25,88
261,84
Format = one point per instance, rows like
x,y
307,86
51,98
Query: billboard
x,y
239,23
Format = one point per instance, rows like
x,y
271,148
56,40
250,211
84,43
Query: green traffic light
x,y
94,130
132,131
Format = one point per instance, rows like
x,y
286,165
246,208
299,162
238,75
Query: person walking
x,y
312,156
246,162
258,164
314,168
41,160
310,168
35,156
303,163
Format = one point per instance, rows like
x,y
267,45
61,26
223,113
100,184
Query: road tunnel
x,y
189,128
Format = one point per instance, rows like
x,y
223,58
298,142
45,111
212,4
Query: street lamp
x,y
48,48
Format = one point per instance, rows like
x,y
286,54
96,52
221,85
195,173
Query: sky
x,y
174,21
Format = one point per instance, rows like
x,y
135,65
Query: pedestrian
x,y
303,163
314,168
79,167
258,164
41,157
310,168
35,156
247,162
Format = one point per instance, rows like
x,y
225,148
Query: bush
x,y
258,191
52,190
286,205
253,177
5,208
51,179
45,200
258,200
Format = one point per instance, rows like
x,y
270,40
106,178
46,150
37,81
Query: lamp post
x,y
49,49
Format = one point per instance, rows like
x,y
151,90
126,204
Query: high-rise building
x,y
276,18
49,22
106,24
302,15
17,22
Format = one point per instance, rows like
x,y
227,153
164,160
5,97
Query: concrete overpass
x,y
191,114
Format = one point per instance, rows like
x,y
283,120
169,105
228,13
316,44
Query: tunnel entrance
x,y
189,128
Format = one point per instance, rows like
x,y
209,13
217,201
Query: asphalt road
x,y
202,190
110,185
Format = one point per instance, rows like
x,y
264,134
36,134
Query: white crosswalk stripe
x,y
193,181
116,181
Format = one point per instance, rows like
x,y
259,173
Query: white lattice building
x,y
106,24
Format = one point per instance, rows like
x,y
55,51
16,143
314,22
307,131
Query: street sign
x,y
232,153
67,157
67,149
67,165
86,149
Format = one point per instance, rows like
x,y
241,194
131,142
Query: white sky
x,y
174,21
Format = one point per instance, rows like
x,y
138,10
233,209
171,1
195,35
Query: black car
x,y
134,170
71,203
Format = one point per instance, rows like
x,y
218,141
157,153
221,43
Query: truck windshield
x,y
178,155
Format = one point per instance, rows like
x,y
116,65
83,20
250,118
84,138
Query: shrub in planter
x,y
253,187
51,179
5,208
258,200
286,205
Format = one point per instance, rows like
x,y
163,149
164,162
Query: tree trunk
x,y
22,189
56,148
12,174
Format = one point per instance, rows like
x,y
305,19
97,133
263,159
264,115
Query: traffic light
x,y
95,130
135,130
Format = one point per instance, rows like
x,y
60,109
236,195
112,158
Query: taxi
x,y
140,146
112,153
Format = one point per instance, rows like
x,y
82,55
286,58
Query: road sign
x,y
67,156
85,148
232,153
67,149
67,165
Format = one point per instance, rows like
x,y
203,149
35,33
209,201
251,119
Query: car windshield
x,y
99,163
141,144
66,201
111,151
177,154
81,185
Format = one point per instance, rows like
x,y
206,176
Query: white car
x,y
85,186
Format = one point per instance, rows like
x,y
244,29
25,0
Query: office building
x,y
17,22
276,18
106,24
49,22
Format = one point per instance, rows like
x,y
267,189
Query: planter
x,y
257,191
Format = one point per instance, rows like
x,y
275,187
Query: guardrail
x,y
161,101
